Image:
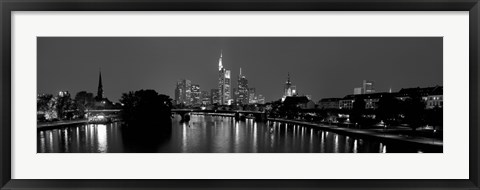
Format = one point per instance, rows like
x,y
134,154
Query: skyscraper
x,y
242,96
195,93
214,96
368,87
183,92
206,98
251,96
224,87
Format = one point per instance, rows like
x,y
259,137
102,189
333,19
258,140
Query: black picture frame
x,y
7,6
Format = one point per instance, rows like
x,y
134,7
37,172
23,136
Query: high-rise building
x,y
224,87
206,99
243,95
214,96
368,87
183,92
195,95
251,96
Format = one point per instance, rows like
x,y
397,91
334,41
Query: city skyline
x,y
65,53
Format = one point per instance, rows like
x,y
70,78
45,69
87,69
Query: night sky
x,y
322,67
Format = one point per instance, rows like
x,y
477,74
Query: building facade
x,y
368,87
195,95
329,103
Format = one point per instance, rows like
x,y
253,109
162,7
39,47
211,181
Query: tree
x,y
83,101
414,111
388,109
42,102
358,110
64,105
146,108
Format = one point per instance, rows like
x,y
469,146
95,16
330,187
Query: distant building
x,y
297,101
260,99
214,96
329,103
289,89
346,102
368,87
371,100
183,92
206,98
435,98
432,96
251,96
195,95
357,90
242,95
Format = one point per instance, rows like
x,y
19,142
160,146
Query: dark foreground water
x,y
208,134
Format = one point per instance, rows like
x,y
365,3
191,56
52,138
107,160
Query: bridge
x,y
238,114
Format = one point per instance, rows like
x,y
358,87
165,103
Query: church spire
x,y
288,78
100,86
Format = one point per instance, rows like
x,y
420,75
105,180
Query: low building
x,y
432,96
296,101
346,102
435,98
329,103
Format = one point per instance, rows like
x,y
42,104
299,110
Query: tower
x,y
224,90
100,87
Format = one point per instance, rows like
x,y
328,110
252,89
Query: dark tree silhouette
x,y
42,102
64,105
146,108
388,109
414,110
83,101
358,108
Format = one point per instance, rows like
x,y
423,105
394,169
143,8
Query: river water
x,y
209,134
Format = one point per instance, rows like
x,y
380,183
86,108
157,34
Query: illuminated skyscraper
x,y
251,96
195,95
183,92
214,96
242,96
224,87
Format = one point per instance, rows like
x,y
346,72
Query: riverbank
x,y
362,133
57,124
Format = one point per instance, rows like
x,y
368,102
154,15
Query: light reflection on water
x,y
208,134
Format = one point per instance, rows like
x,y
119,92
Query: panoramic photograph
x,y
239,95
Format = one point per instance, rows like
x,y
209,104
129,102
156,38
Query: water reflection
x,y
206,134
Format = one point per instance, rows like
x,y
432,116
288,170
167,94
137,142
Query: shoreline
x,y
418,141
58,124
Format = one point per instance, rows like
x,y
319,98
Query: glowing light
x,y
355,146
102,138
